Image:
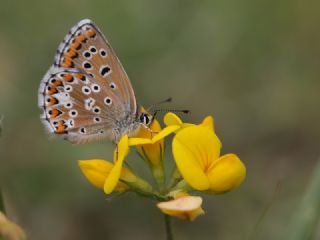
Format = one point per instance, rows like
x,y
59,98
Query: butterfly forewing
x,y
86,49
86,94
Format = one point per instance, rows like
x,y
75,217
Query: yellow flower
x,y
119,155
134,141
171,119
183,207
96,171
112,173
196,150
151,152
151,146
105,175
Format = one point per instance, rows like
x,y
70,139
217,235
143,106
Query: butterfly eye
x,y
144,119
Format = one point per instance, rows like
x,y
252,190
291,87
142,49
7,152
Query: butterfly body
x,y
86,94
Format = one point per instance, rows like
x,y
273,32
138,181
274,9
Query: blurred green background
x,y
253,65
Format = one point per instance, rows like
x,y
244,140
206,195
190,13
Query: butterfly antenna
x,y
173,110
159,103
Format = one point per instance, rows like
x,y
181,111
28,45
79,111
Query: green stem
x,y
168,224
158,175
182,186
175,178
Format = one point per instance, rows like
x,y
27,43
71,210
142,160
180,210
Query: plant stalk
x,y
168,225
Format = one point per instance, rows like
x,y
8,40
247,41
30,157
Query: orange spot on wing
x,y
80,76
73,53
75,45
52,90
66,55
67,63
60,128
56,83
68,77
70,54
81,38
51,101
54,113
91,33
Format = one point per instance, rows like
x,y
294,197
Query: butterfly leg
x,y
153,117
150,130
117,151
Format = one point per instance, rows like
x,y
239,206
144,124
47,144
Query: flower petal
x,y
139,141
172,119
162,134
226,173
194,149
122,149
186,207
96,171
208,122
151,152
113,178
165,132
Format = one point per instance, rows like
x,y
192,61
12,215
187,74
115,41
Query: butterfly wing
x,y
70,108
86,92
85,48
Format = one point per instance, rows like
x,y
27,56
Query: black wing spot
x,y
93,49
87,65
108,101
105,71
87,54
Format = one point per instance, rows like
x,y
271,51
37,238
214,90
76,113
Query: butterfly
x,y
86,94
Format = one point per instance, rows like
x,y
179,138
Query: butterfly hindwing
x,y
71,107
